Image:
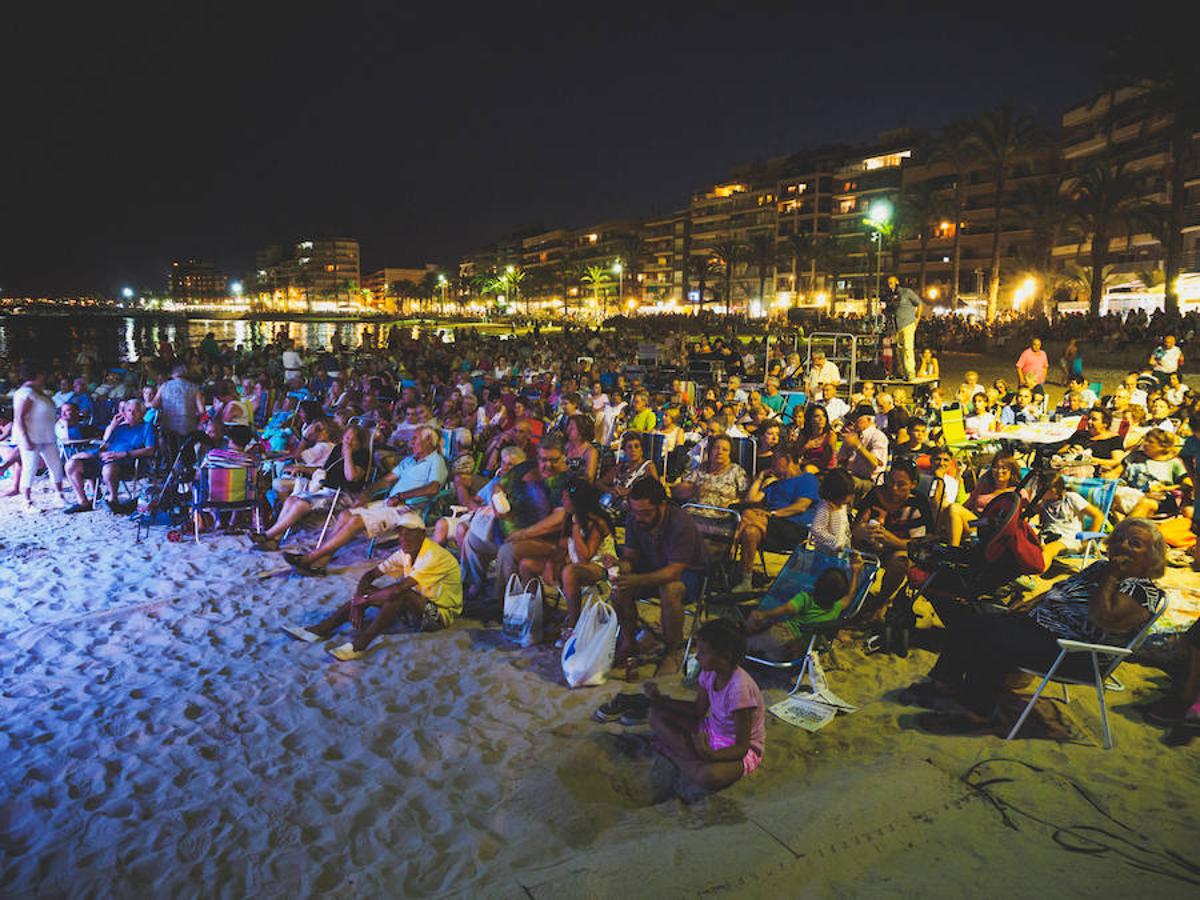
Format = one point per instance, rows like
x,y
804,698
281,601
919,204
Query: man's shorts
x,y
429,619
693,587
93,467
378,518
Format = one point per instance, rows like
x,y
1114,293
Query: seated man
x,y
918,443
126,439
414,481
540,495
821,371
664,556
864,450
835,407
784,499
428,593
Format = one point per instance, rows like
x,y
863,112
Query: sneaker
x,y
615,708
746,584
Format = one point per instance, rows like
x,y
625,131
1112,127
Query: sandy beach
x,y
162,737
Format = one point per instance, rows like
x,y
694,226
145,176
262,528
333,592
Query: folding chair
x,y
1100,493
792,401
933,489
800,573
954,432
1114,656
745,454
654,447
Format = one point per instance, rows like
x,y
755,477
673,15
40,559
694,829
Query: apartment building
x,y
924,254
324,269
1124,126
195,281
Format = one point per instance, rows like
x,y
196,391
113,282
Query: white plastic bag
x,y
588,653
523,611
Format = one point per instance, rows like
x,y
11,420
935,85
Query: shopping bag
x,y
588,653
523,611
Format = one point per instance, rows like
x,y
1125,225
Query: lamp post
x,y
442,283
879,219
619,270
509,271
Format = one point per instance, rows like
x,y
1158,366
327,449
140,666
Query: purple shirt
x,y
740,692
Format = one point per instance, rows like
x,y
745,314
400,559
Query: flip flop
x,y
302,634
296,561
78,508
346,652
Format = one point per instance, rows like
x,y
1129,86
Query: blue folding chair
x,y
800,573
1100,493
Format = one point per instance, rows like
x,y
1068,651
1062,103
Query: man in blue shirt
x,y
81,399
411,486
781,504
127,439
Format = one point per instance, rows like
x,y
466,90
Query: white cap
x,y
411,520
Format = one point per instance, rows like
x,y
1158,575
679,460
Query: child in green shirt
x,y
778,633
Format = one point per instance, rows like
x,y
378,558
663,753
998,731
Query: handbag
x,y
588,653
523,611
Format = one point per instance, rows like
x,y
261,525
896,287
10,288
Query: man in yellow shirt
x,y
643,418
427,592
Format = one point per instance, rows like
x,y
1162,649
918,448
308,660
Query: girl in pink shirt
x,y
718,737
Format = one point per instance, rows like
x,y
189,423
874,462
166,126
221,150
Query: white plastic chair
x,y
1114,654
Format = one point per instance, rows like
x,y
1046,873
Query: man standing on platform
x,y
905,306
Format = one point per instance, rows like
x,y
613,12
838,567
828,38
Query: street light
x,y
127,293
235,288
619,271
442,283
879,219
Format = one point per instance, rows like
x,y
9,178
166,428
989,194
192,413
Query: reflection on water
x,y
46,337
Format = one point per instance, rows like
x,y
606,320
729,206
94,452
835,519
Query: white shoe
x,y
302,634
346,652
746,584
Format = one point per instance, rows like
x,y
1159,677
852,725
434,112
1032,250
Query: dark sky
x,y
133,134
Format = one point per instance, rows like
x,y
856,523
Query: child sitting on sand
x,y
778,633
718,737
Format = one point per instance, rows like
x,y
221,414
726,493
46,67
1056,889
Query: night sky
x,y
135,135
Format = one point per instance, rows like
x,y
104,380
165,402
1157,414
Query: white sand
x,y
160,734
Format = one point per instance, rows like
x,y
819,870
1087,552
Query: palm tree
x,y
305,280
701,268
1105,203
1176,94
921,206
1045,211
567,274
953,147
630,249
802,248
833,259
430,286
597,277
405,289
998,138
761,252
731,252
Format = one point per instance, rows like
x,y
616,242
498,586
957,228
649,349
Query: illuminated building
x,y
195,281
308,271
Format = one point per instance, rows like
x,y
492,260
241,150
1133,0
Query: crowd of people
x,y
551,454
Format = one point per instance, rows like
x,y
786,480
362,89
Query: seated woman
x,y
890,518
1177,394
719,482
819,450
586,550
1106,603
779,633
345,468
583,459
1098,439
319,440
928,367
671,430
630,465
1152,477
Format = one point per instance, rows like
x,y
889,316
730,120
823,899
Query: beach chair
x,y
954,432
1100,493
654,447
792,401
934,490
1113,655
800,573
226,481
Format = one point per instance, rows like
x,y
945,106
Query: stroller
x,y
1006,547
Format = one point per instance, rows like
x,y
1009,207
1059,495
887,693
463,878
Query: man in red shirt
x,y
1032,364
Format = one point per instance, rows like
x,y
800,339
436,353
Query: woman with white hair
x,y
1106,603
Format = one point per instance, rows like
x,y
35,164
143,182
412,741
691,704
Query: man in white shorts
x,y
427,593
414,482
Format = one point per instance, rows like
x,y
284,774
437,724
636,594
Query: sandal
x,y
632,664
